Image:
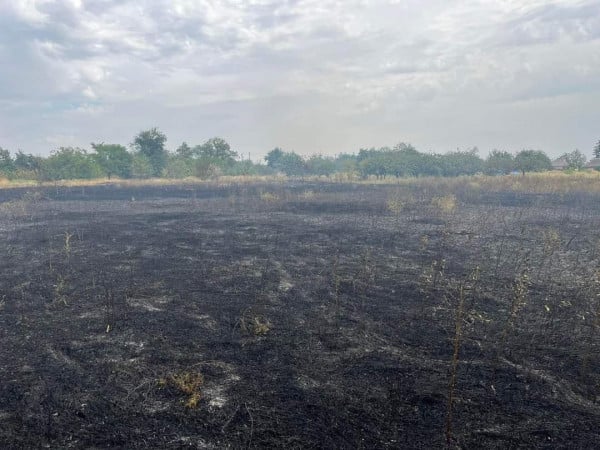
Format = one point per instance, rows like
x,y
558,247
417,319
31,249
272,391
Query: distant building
x,y
560,163
593,164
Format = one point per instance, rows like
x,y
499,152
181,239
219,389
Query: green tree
x,y
499,162
184,151
179,167
406,161
216,150
27,166
141,167
320,165
431,165
243,167
575,160
247,167
114,159
375,162
292,164
289,163
345,163
532,161
70,163
151,144
206,168
462,163
274,157
212,158
7,166
597,150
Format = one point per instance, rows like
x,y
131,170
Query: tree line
x,y
148,157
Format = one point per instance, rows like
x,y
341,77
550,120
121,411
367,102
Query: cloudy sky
x,y
313,76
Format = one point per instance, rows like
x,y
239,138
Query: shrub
x,y
188,383
445,204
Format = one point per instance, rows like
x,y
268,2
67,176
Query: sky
x,y
310,76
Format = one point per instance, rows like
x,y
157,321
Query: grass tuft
x,y
186,382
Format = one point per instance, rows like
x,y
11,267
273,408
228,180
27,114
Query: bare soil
x,y
309,315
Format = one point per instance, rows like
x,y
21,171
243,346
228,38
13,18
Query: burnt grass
x,y
317,316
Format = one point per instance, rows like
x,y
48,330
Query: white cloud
x,y
89,93
304,73
26,10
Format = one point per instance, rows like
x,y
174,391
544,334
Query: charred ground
x,y
305,315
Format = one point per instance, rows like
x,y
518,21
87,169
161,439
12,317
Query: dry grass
x,y
254,325
220,181
445,204
7,184
395,205
307,195
22,206
257,326
269,197
545,182
188,383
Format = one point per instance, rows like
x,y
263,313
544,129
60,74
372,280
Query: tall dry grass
x,y
545,182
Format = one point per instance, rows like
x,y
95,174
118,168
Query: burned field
x,y
304,315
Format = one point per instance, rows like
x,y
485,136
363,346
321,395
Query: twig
x,y
230,419
251,424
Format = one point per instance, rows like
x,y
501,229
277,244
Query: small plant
x,y
109,299
395,205
67,245
336,280
519,299
258,326
433,275
462,312
445,204
59,290
520,291
552,241
32,196
21,207
254,325
367,271
268,197
308,195
186,382
424,242
456,343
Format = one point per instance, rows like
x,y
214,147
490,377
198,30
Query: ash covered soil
x,y
298,315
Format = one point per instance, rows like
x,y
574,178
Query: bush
x,y
206,169
70,163
141,167
178,167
